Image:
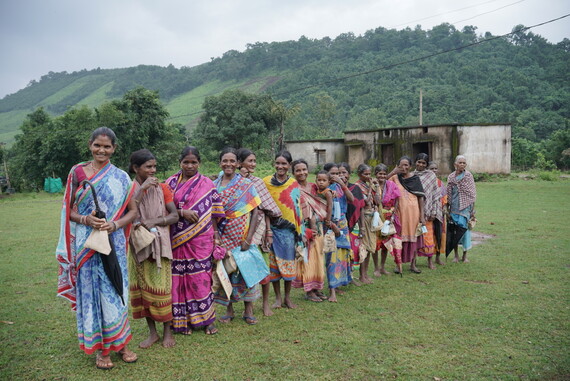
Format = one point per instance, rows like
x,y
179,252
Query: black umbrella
x,y
110,262
454,235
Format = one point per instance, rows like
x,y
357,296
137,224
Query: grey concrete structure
x,y
486,147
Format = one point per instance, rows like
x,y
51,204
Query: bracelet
x,y
115,225
245,240
83,219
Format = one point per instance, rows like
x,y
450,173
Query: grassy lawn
x,y
503,316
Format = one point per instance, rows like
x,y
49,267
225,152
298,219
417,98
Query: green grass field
x,y
504,316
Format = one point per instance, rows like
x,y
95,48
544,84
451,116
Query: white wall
x,y
487,148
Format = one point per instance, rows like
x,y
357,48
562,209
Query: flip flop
x,y
416,271
226,319
128,357
211,330
251,320
313,298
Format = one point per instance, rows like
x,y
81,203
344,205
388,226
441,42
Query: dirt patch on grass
x,y
479,281
478,237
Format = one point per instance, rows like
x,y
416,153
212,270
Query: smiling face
x,y
249,163
333,171
146,170
102,148
301,172
343,174
421,165
365,175
381,176
281,166
404,165
322,181
189,165
229,163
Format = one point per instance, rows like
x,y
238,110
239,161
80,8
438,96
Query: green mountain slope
x,y
348,82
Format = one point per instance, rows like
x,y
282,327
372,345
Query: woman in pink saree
x,y
193,239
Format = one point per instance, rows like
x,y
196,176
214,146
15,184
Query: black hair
x,y
345,166
243,153
327,167
284,154
380,167
323,172
297,162
422,156
106,131
362,167
405,158
140,157
190,150
228,150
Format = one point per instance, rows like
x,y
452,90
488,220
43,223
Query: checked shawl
x,y
465,186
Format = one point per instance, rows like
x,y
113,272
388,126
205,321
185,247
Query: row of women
x,y
197,224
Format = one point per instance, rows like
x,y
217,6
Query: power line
x,y
422,58
485,13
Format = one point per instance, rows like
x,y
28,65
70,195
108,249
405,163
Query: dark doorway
x,y
387,154
423,147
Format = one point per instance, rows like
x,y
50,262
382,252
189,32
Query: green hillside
x,y
349,82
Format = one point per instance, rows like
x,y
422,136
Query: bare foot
x,y
384,272
149,341
340,292
431,267
103,362
267,310
278,304
465,260
377,273
366,280
439,262
168,341
356,283
289,303
455,260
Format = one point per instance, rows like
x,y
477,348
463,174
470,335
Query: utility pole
x,y
421,109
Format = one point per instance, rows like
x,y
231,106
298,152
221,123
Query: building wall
x,y
486,148
334,151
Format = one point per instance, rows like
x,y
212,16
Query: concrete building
x,y
487,147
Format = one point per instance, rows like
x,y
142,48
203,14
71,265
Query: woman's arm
x,y
347,192
421,204
254,221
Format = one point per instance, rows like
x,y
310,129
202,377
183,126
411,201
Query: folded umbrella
x,y
454,235
110,261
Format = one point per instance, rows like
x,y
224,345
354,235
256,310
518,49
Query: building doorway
x,y
422,147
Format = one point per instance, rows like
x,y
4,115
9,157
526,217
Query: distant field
x,y
504,316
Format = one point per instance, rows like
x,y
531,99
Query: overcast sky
x,y
38,36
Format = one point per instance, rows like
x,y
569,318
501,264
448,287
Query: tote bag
x,y
251,264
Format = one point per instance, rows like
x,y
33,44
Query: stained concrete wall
x,y
307,149
486,148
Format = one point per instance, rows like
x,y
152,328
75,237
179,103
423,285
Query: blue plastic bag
x,y
251,264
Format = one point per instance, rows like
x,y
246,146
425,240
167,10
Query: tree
x,y
236,119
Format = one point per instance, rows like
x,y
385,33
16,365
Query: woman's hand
x,y
149,224
95,222
190,215
109,226
336,179
245,245
149,182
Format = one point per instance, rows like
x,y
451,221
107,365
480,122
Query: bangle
x,y
115,225
245,240
82,219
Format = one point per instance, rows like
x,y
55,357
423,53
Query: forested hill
x,y
522,79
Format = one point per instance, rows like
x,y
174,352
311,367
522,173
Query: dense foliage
x,y
371,81
51,146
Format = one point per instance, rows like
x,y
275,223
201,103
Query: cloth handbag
x,y
376,222
419,229
362,253
471,223
98,240
330,242
141,238
229,262
251,265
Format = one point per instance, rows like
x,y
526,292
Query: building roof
x,y
431,125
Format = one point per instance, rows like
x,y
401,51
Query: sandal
x,y
251,320
416,271
128,356
226,319
211,330
103,364
313,298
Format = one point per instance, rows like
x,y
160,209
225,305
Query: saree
x,y
393,244
192,246
102,322
239,198
408,213
462,195
369,237
432,210
287,230
441,230
353,211
150,280
310,274
339,272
